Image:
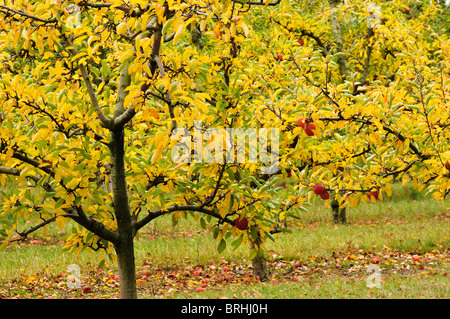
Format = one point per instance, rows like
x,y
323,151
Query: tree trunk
x,y
342,59
124,246
127,270
339,216
259,263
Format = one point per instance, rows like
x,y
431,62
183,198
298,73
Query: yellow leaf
x,y
154,113
217,30
60,222
146,114
178,33
156,155
121,28
203,25
245,28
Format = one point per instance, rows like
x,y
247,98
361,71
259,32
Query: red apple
x,y
241,223
325,195
289,174
309,127
416,258
280,57
318,189
375,261
374,193
301,42
301,122
405,11
309,132
337,266
146,273
87,289
447,165
200,289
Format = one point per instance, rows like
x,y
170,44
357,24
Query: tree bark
x,y
259,263
339,216
124,246
342,59
127,269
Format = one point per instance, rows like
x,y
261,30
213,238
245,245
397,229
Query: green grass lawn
x,y
172,262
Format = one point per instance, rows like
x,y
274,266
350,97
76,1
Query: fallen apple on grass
x,y
146,273
87,289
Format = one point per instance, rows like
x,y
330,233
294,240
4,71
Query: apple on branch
x,y
325,195
318,189
301,122
447,165
373,193
309,127
241,223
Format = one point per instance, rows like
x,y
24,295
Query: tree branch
x,y
144,221
126,9
216,189
257,3
87,81
28,16
24,234
24,158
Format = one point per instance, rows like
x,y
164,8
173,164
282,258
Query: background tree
x,y
371,79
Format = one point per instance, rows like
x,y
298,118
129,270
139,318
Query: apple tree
x,y
95,97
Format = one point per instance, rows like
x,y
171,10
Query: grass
x,y
392,230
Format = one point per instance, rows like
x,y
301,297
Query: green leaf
x,y
222,246
202,223
236,243
253,254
